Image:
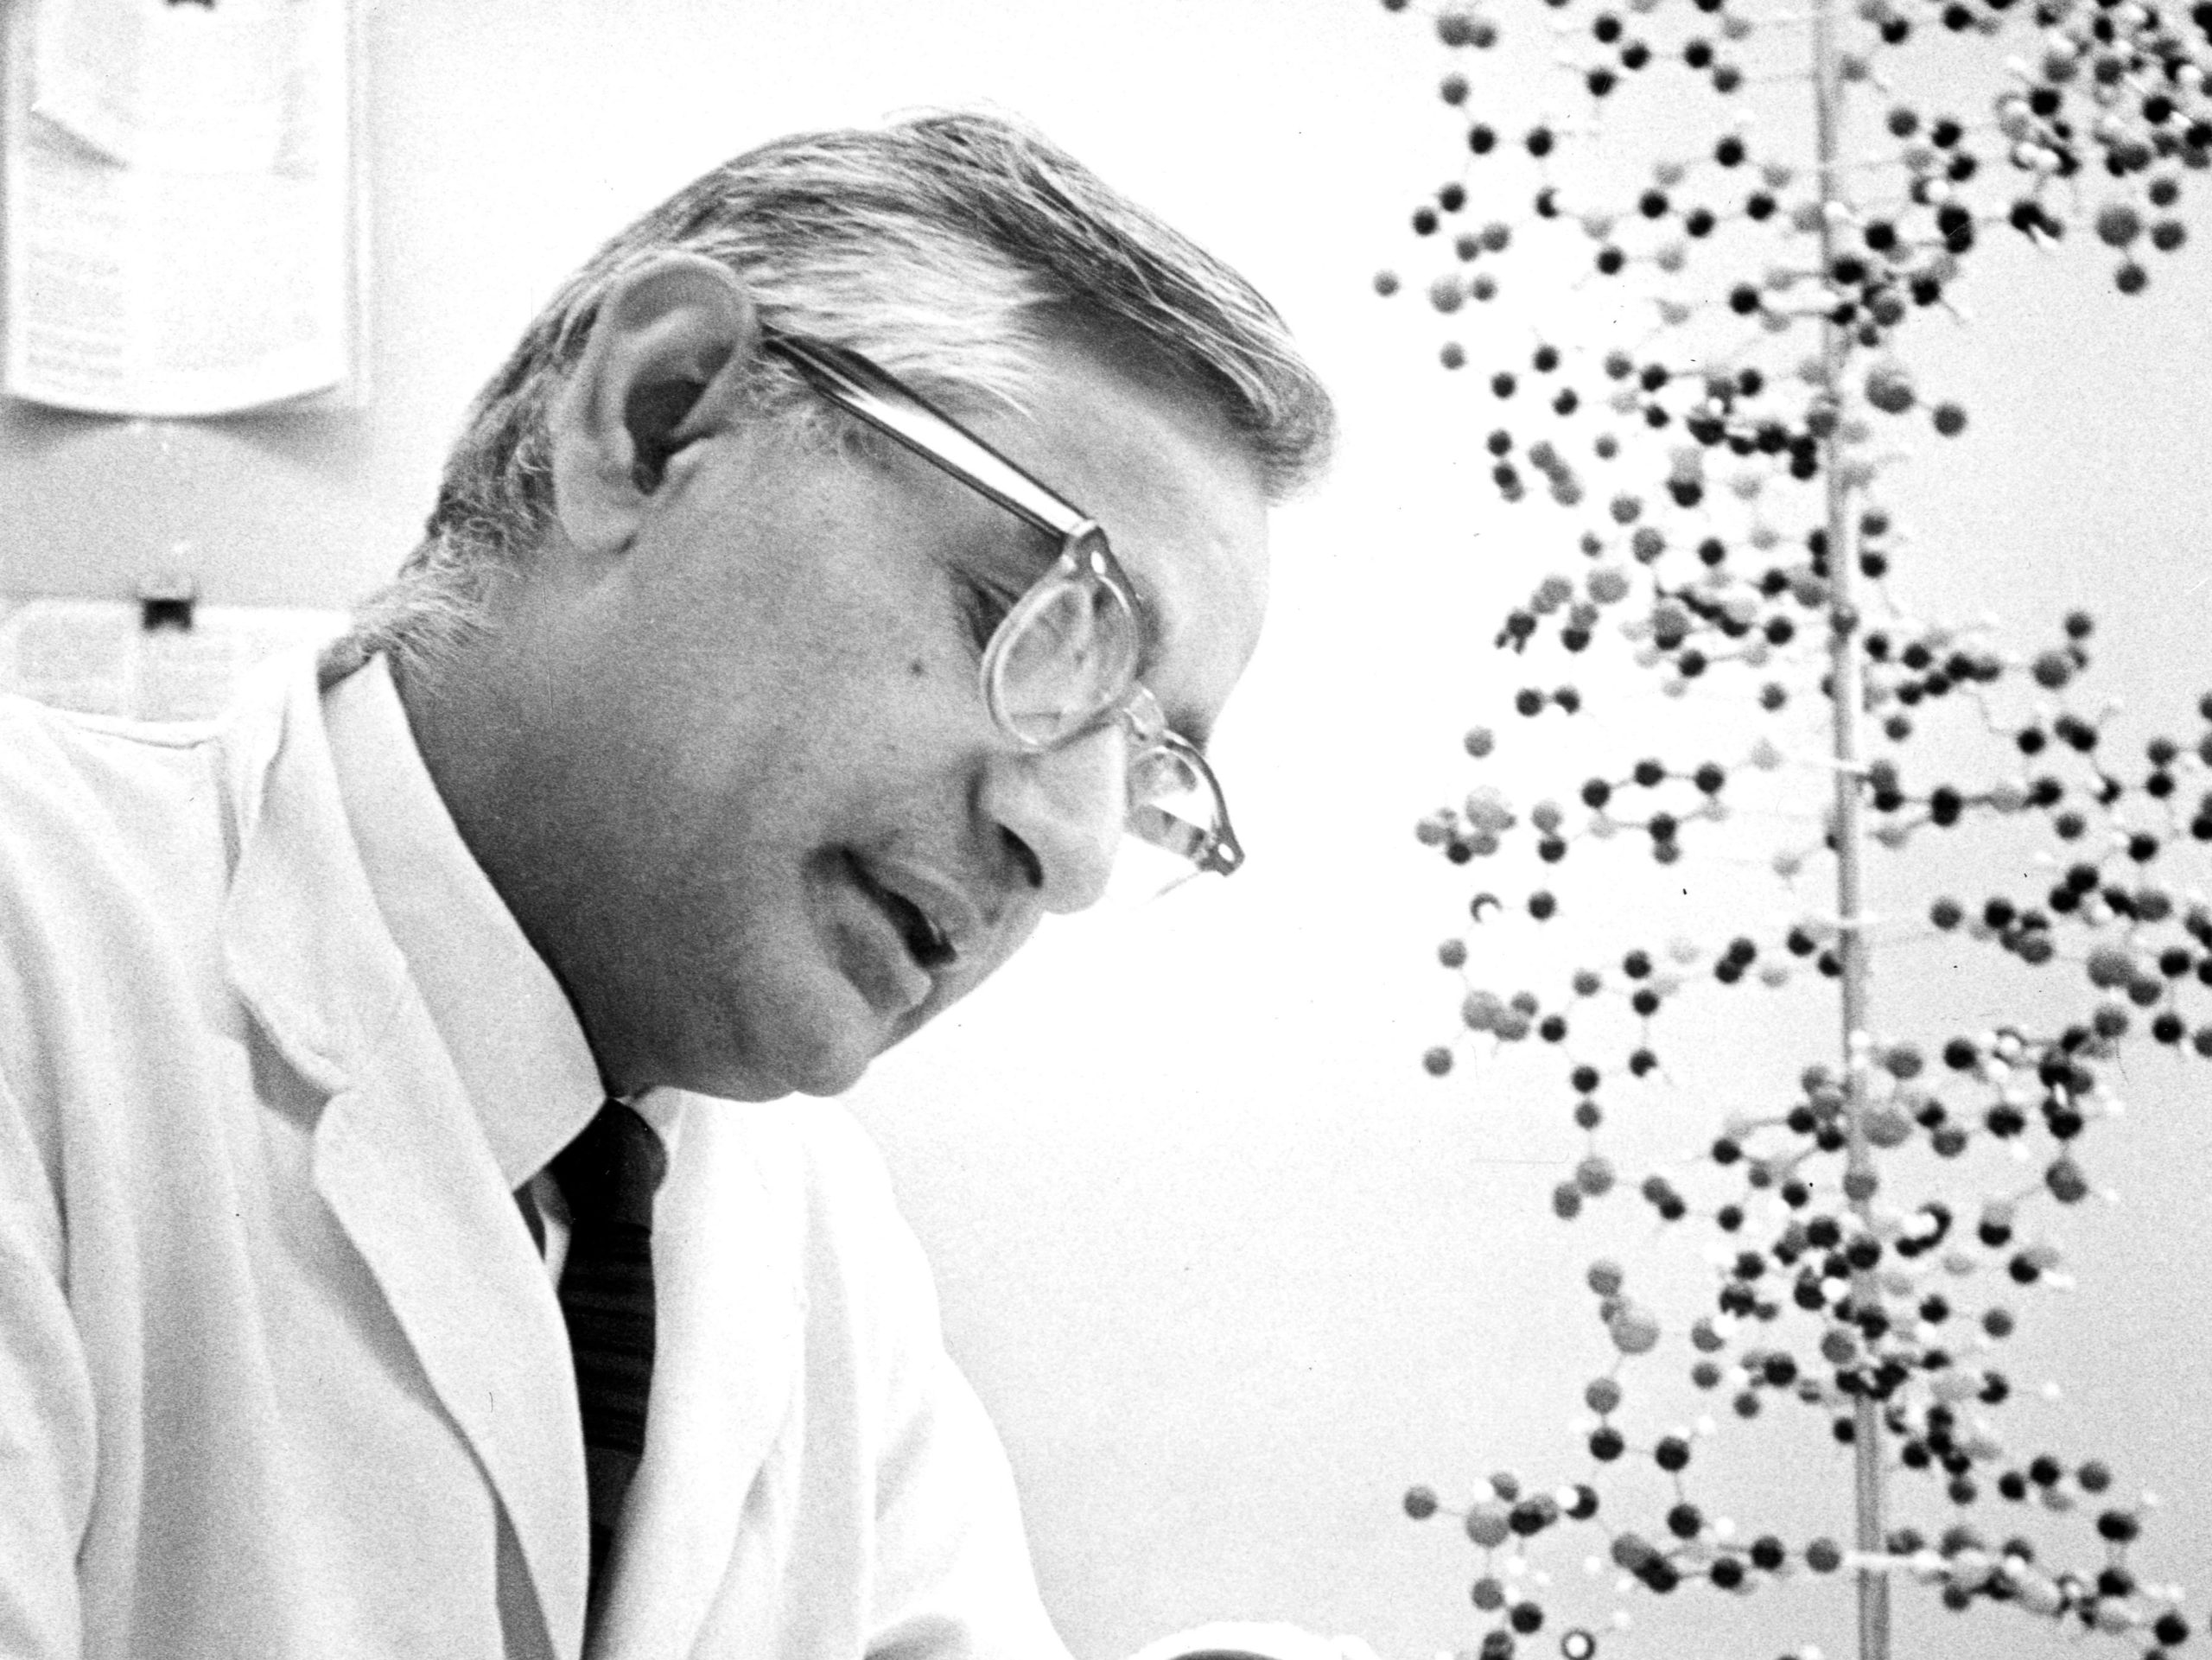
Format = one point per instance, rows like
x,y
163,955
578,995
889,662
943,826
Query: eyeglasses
x,y
1063,662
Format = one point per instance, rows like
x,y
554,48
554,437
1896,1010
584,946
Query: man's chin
x,y
837,1066
831,1077
826,1058
823,1069
728,1068
820,1044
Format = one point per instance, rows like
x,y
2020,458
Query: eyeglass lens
x,y
1165,779
1068,654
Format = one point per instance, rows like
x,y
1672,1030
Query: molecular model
x,y
1710,432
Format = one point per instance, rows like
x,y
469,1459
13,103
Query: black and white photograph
x,y
1159,829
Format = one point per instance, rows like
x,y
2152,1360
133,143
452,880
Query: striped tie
x,y
608,1175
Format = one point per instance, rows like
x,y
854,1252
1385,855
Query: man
x,y
739,712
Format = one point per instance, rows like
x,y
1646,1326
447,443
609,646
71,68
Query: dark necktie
x,y
608,1175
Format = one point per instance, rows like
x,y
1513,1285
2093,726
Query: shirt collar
x,y
509,1027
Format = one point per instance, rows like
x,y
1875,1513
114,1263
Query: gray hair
x,y
944,247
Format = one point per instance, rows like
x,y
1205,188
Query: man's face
x,y
762,771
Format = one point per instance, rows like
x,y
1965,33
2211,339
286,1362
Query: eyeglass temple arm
x,y
855,384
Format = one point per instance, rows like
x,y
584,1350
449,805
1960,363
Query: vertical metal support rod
x,y
1847,683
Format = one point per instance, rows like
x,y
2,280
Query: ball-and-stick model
x,y
1718,434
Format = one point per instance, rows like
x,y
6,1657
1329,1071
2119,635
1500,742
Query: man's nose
x,y
1065,808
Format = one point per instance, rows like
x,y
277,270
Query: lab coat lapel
x,y
728,1295
398,1154
404,1165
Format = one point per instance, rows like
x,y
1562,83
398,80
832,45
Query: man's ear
x,y
660,371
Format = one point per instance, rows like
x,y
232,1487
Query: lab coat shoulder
x,y
106,848
112,854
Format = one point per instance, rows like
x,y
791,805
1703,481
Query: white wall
x,y
1229,1270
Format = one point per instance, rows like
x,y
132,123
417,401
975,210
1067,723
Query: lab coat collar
x,y
521,1055
399,1156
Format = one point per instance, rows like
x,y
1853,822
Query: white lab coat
x,y
280,1374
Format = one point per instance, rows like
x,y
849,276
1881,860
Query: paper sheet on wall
x,y
98,655
178,191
